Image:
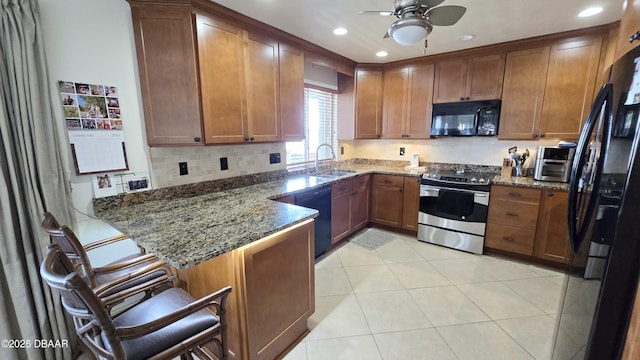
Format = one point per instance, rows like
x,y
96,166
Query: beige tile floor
x,y
410,300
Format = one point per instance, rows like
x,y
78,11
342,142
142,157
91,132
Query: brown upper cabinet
x,y
475,78
522,94
408,94
249,87
629,25
168,74
548,90
368,103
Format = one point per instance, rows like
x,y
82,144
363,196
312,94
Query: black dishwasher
x,y
319,199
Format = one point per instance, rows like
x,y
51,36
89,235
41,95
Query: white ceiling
x,y
491,21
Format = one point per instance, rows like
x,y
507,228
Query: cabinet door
x,y
450,81
395,103
420,96
291,69
220,47
552,242
411,203
387,199
368,104
485,75
168,77
341,210
570,86
522,94
261,72
340,217
360,201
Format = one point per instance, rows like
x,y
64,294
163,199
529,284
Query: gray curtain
x,y
33,181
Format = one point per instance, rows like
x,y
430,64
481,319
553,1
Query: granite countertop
x,y
188,230
528,181
191,224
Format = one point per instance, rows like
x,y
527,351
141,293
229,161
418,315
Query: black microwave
x,y
467,118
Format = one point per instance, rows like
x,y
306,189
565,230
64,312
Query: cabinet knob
x,y
509,213
508,238
515,194
549,194
252,138
246,139
467,98
462,98
541,135
400,190
197,139
635,36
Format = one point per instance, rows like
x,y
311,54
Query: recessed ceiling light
x,y
340,31
590,11
382,53
466,37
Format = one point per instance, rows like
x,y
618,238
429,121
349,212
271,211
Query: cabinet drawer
x,y
361,181
343,187
388,180
509,238
522,215
514,193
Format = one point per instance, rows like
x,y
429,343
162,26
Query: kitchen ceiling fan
x,y
416,19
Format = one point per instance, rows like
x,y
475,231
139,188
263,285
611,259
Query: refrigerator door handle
x,y
579,222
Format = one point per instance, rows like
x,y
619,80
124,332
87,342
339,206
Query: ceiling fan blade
x,y
430,3
373,12
446,15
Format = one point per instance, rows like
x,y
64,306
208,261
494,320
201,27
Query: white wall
x,y
91,41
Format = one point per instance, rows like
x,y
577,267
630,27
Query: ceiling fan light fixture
x,y
409,30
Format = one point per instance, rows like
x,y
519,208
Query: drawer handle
x,y
511,213
508,238
515,194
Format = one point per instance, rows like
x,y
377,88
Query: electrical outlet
x,y
401,151
183,168
224,163
274,158
341,150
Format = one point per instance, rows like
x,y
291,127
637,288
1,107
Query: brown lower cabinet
x,y
272,291
395,201
349,206
528,221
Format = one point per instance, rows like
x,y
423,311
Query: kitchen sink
x,y
335,173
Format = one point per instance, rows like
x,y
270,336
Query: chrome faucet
x,y
333,154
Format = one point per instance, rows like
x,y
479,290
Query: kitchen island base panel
x,y
273,291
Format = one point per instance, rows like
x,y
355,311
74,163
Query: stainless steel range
x,y
453,209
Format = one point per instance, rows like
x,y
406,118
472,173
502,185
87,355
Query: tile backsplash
x,y
203,162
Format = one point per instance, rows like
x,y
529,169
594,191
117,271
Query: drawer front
x,y
388,180
361,181
522,215
514,193
343,187
509,238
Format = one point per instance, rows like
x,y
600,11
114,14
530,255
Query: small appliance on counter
x,y
554,163
414,163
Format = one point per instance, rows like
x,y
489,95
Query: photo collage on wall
x,y
90,107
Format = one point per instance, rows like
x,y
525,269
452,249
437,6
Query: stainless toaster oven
x,y
554,163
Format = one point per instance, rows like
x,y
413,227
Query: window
x,y
320,127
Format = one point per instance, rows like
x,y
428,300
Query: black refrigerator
x,y
604,222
